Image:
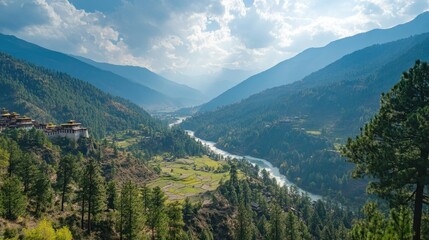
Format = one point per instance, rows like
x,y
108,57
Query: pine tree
x,y
26,170
13,199
233,198
243,223
276,223
130,218
156,215
315,225
66,173
188,211
375,225
305,234
112,195
399,223
92,193
371,227
292,227
175,221
247,193
15,157
393,147
146,198
233,176
263,227
41,192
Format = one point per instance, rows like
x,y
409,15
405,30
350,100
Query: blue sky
x,y
197,37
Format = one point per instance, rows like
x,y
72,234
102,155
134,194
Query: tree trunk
x,y
63,195
418,208
9,206
89,203
89,214
82,220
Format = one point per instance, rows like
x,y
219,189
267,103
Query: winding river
x,y
262,164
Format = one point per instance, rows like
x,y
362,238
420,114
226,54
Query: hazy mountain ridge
x,y
224,80
314,59
369,65
104,80
183,95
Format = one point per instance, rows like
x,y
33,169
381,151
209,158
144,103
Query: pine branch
x,y
410,197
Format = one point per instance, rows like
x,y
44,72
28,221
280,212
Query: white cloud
x,y
14,15
74,31
197,36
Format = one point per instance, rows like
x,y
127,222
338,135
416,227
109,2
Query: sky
x,y
197,37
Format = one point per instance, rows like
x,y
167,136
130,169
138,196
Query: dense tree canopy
x,y
393,147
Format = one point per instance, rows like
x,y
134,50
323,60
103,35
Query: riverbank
x,y
262,164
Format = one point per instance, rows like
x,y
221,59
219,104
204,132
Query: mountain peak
x,y
313,59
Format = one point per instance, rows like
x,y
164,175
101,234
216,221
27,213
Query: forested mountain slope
x,y
52,96
317,96
104,80
313,59
329,104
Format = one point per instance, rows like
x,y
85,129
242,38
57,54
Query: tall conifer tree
x,y
156,214
130,217
65,175
13,199
393,148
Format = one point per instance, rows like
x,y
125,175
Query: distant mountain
x,y
224,80
182,94
56,97
105,80
313,59
211,84
332,103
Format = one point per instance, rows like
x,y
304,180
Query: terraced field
x,y
189,177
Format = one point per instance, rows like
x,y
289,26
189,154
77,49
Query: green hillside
x,y
102,79
328,105
52,96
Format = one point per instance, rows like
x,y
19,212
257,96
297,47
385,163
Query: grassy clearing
x,y
189,177
183,177
125,139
